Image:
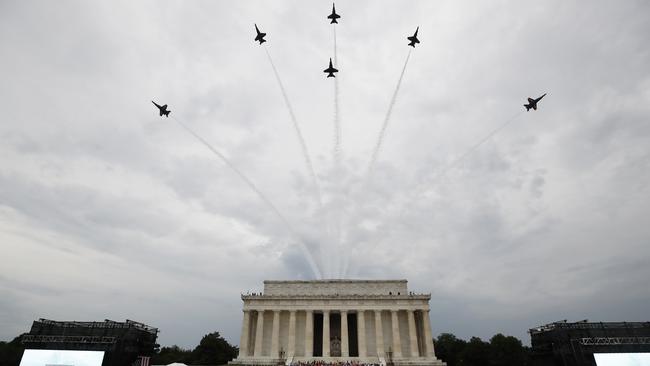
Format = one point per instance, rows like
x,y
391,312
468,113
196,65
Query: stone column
x,y
243,341
379,334
397,343
275,336
309,333
413,335
428,339
292,334
326,333
361,334
259,333
344,334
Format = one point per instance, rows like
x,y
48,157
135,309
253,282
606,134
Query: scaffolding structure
x,y
574,344
122,342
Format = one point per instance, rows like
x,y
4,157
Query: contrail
x,y
337,214
469,151
380,140
382,133
336,152
418,190
261,195
337,115
303,145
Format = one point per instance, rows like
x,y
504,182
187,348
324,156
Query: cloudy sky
x,y
109,211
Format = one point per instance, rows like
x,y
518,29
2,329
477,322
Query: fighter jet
x,y
163,109
330,70
333,16
414,38
260,36
532,103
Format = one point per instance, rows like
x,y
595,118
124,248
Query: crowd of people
x,y
339,363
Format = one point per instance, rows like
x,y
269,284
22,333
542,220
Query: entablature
x,y
247,297
317,303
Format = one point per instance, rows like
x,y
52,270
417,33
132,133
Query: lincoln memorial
x,y
368,321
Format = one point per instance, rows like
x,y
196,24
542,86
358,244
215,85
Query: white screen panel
x,y
46,357
622,359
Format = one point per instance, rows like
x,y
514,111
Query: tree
x,y
167,355
214,349
506,351
475,353
448,348
11,352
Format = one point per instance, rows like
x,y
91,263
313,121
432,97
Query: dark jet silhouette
x,y
163,109
330,70
260,36
333,16
414,38
532,103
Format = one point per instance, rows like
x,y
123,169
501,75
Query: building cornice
x,y
336,297
331,281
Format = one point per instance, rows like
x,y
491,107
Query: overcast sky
x,y
109,211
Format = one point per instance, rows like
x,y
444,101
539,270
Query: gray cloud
x,y
104,203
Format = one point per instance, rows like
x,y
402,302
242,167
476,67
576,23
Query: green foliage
x,y
500,351
212,350
11,352
449,348
475,353
168,355
506,351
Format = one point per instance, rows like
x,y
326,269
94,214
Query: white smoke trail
x,y
419,190
473,148
345,258
337,115
261,195
336,217
375,154
303,145
382,132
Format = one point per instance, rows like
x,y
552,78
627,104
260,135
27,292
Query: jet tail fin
x,y
166,113
527,107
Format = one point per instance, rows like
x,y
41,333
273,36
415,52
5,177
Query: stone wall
x,y
336,287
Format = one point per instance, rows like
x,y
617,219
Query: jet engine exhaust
x,y
469,151
382,133
303,145
261,195
337,115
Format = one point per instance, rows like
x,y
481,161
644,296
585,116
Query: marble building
x,y
371,321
